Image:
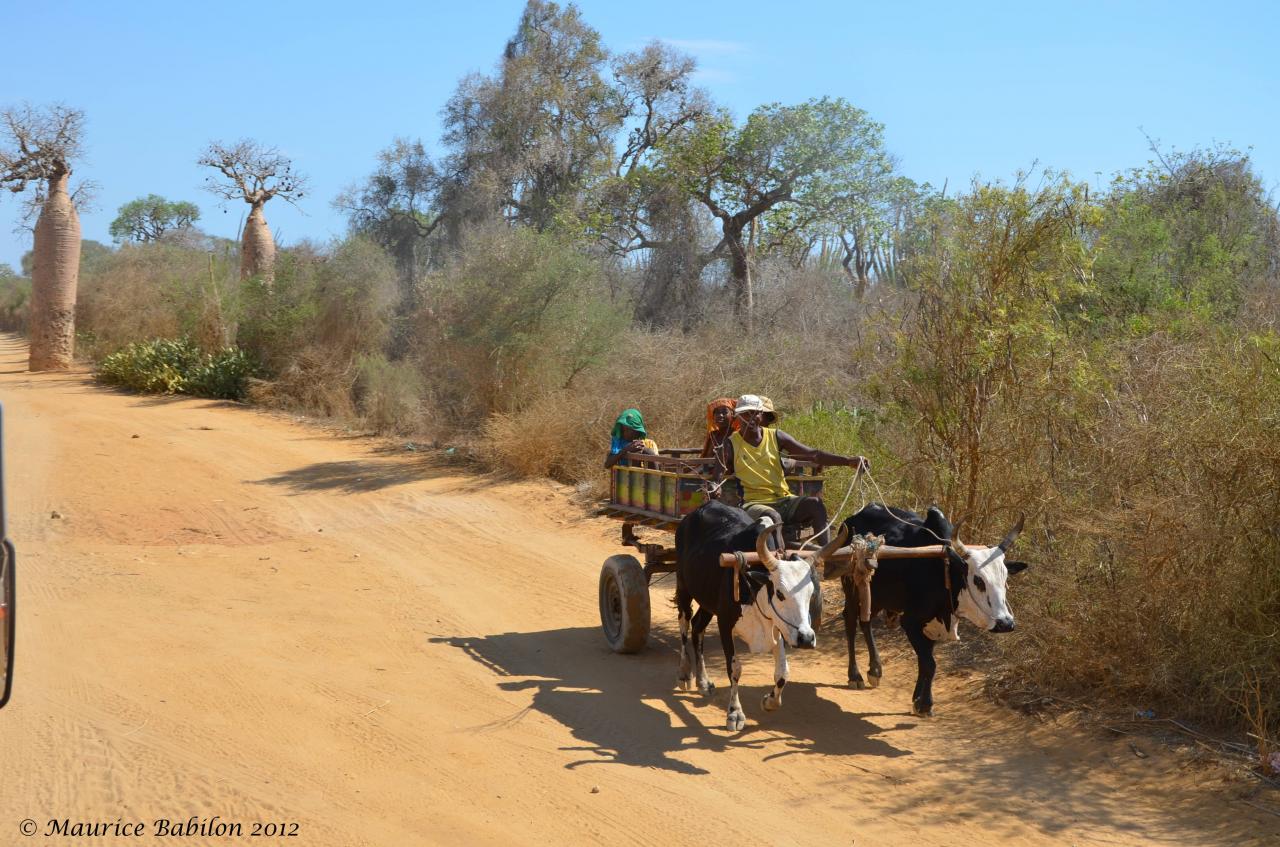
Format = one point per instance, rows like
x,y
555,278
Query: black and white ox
x,y
769,612
931,597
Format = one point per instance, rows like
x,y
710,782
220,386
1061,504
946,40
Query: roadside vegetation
x,y
1104,358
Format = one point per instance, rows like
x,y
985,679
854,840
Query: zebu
x,y
931,594
770,609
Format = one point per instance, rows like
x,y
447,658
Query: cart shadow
x,y
624,709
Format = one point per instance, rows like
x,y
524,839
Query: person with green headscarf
x,y
629,437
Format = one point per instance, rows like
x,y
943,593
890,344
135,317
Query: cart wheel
x,y
624,603
815,606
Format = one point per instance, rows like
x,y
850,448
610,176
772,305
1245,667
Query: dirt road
x,y
228,614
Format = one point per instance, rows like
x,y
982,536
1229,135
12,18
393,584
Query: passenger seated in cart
x,y
720,425
755,453
629,437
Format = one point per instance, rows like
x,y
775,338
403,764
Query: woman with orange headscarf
x,y
720,425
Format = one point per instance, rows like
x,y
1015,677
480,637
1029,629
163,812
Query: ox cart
x,y
657,495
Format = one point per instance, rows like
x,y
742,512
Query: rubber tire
x,y
624,604
815,606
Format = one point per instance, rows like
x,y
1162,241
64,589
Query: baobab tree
x,y
37,149
253,173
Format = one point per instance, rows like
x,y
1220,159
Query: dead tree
x,y
253,173
36,151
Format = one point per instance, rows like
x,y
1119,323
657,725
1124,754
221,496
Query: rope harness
x,y
864,568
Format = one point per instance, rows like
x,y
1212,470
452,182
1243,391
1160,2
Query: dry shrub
x,y
1163,585
670,377
986,373
15,302
388,394
313,382
339,299
157,290
515,315
323,312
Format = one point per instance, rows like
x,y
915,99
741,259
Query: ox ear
x,y
1015,567
937,523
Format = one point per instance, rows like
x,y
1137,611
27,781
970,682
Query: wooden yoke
x,y
865,554
846,553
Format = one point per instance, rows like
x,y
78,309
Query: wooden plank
x,y
844,554
642,516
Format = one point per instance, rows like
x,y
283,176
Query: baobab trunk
x,y
257,248
53,281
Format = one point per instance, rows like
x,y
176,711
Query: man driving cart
x,y
754,454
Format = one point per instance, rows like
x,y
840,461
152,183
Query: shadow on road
x,y
361,475
978,763
621,707
352,477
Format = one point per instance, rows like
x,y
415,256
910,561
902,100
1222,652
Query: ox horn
x,y
954,541
1012,536
767,558
832,546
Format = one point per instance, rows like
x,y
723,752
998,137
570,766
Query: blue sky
x,y
963,89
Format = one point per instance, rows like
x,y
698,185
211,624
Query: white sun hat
x,y
749,403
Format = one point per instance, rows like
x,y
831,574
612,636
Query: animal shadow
x,y
625,710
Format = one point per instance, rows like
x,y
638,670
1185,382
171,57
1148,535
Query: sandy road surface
x,y
238,616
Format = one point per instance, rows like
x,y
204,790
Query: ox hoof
x,y
707,687
873,680
736,722
769,703
857,684
684,684
921,711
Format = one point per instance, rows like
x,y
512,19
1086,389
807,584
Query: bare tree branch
x,y
252,172
36,147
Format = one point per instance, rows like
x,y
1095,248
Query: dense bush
x,y
15,297
516,315
157,290
1085,363
178,367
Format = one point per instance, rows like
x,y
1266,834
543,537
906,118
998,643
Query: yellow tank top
x,y
759,469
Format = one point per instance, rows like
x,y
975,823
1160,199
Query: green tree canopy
x,y
1190,233
816,159
396,207
149,218
524,141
